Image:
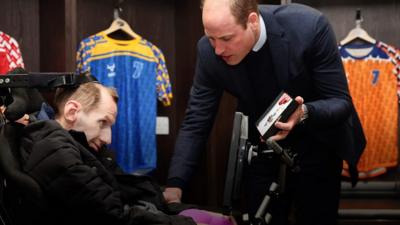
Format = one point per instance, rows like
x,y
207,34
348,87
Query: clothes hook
x,y
358,14
117,9
359,18
117,12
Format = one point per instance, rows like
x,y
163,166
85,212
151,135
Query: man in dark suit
x,y
254,53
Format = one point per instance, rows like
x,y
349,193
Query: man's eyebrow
x,y
220,37
225,36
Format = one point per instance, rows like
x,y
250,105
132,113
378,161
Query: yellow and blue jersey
x,y
136,68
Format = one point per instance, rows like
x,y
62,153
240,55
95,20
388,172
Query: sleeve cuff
x,y
176,182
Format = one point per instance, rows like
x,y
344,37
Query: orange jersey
x,y
373,83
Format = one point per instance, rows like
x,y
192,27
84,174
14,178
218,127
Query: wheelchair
x,y
22,200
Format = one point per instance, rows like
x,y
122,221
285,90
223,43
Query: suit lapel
x,y
279,47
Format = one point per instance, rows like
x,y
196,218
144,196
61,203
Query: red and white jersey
x,y
10,55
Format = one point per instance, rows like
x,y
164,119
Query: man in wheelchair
x,y
79,181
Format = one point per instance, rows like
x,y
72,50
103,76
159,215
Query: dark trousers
x,y
311,196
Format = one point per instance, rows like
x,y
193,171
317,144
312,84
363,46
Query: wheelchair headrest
x,y
22,93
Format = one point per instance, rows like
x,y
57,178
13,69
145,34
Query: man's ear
x,y
71,110
253,21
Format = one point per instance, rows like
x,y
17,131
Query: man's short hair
x,y
88,94
240,9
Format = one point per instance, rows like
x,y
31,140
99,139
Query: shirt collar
x,y
263,36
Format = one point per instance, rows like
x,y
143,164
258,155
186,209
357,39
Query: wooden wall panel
x,y
381,18
20,19
70,31
188,31
52,40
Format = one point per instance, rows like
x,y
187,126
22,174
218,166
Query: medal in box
x,y
280,110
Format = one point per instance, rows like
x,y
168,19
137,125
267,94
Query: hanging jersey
x,y
10,55
136,68
373,79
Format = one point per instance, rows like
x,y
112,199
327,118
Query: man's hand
x,y
285,128
172,194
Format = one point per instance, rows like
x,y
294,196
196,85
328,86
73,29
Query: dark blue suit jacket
x,y
306,63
